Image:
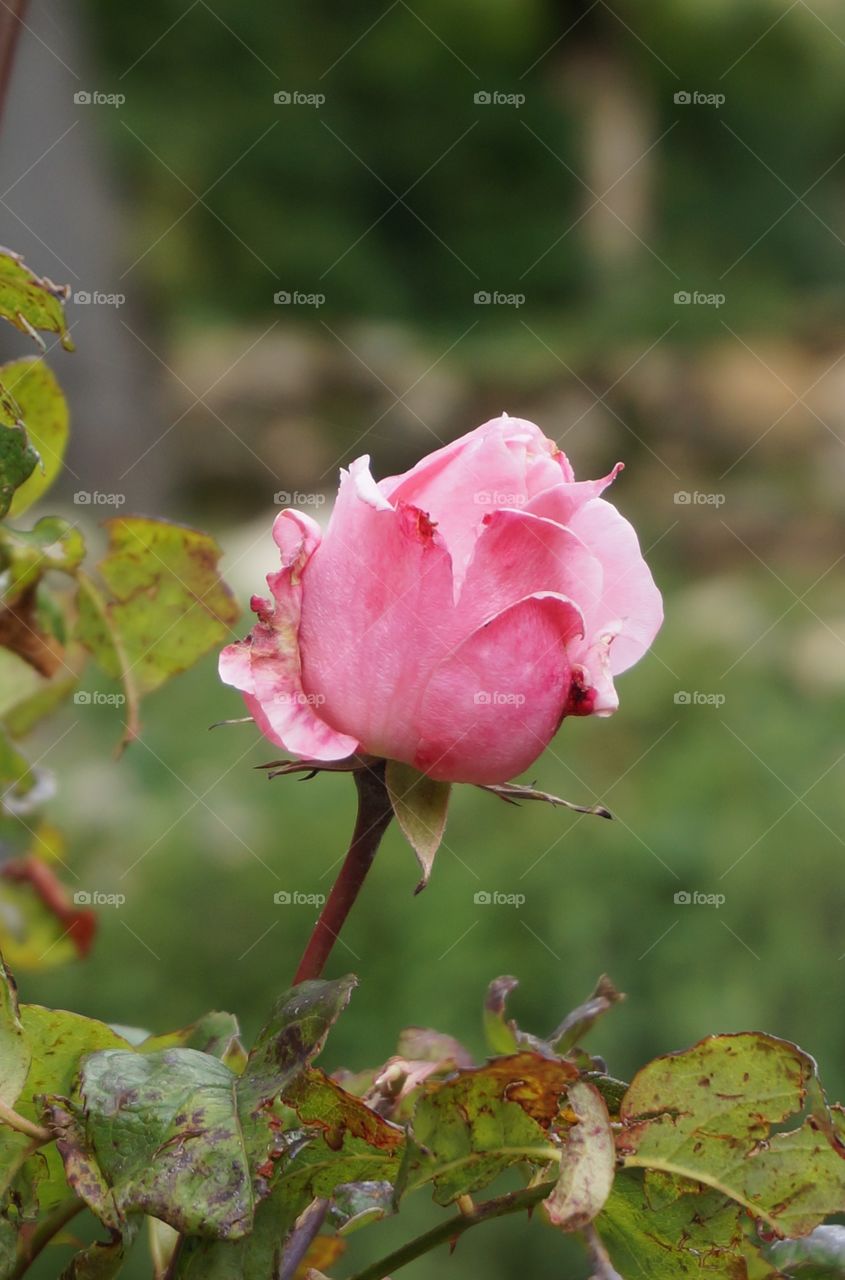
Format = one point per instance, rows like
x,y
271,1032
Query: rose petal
x,y
266,665
375,616
492,706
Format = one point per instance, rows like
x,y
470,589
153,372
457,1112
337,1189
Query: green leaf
x,y
420,804
26,555
18,459
174,1133
577,1023
819,1256
743,1114
587,1163
690,1232
29,302
15,1052
44,413
336,1140
470,1128
256,1257
350,1143
103,1259
215,1033
158,1133
501,1033
163,607
57,1040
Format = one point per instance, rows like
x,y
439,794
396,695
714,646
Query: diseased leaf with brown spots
x,y
470,1128
162,607
743,1114
158,1133
57,1041
347,1140
31,303
685,1231
587,1163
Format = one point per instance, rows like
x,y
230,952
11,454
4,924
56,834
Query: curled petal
x,y
266,665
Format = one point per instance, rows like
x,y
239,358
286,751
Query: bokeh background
x,y
653,197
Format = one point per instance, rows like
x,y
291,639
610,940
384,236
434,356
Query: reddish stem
x,y
372,820
11,22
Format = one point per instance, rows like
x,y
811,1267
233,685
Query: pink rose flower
x,y
450,617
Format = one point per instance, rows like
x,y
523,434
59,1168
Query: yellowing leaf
x,y
31,303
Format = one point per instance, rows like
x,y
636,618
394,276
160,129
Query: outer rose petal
x,y
561,502
375,616
631,607
501,464
518,555
495,703
266,665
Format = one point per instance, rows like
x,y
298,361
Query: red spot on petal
x,y
582,695
416,522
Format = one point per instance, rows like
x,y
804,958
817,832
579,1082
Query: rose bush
x,y
450,617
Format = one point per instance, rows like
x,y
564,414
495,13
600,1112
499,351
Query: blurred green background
x,y
684,149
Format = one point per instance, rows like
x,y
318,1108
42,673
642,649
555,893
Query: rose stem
x,y
448,1231
371,822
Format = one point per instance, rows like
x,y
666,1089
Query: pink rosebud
x,y
449,617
